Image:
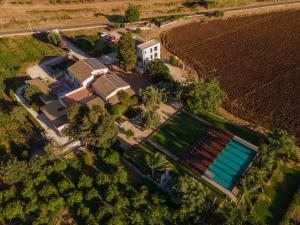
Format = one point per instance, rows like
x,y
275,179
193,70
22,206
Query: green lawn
x,y
279,194
243,132
18,133
179,133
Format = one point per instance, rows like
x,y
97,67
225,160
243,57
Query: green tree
x,y
191,196
12,210
124,98
158,162
203,96
31,93
283,144
158,71
237,216
151,119
132,14
14,171
94,126
150,97
54,38
126,52
56,204
85,182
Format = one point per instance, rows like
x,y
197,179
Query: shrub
x,y
174,61
138,30
117,110
85,43
132,14
54,38
117,25
219,13
158,71
150,118
31,93
129,133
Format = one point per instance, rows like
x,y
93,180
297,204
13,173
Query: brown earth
x,y
255,58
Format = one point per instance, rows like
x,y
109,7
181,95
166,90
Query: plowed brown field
x,y
257,59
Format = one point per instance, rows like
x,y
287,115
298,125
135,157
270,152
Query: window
x,y
151,57
151,50
155,55
155,48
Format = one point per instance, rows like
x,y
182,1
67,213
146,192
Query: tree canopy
x,y
132,14
150,97
31,93
203,96
95,127
158,71
126,52
283,144
191,196
54,38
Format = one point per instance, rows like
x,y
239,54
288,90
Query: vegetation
x,y
126,52
80,186
203,96
31,94
93,44
158,71
276,204
174,61
54,38
150,118
292,215
192,197
94,127
19,134
178,133
219,13
132,14
150,97
158,163
253,183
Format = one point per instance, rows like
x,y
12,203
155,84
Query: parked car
x,y
103,34
109,27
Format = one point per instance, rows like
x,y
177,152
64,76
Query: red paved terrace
x,y
206,149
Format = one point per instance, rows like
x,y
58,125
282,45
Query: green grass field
x,y
18,133
179,133
279,193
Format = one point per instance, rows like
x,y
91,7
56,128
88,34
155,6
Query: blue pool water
x,y
231,163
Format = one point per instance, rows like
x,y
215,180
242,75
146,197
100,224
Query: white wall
x,y
149,54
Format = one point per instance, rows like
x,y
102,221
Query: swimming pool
x,y
231,163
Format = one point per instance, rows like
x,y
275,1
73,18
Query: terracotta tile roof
x,y
108,83
83,68
95,101
54,110
77,96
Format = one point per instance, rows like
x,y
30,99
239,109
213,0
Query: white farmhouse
x,y
84,71
147,52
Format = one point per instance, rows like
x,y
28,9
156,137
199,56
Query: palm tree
x,y
158,162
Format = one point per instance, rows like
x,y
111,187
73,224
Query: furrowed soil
x,y
255,58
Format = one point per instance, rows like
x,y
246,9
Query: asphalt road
x,y
101,25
